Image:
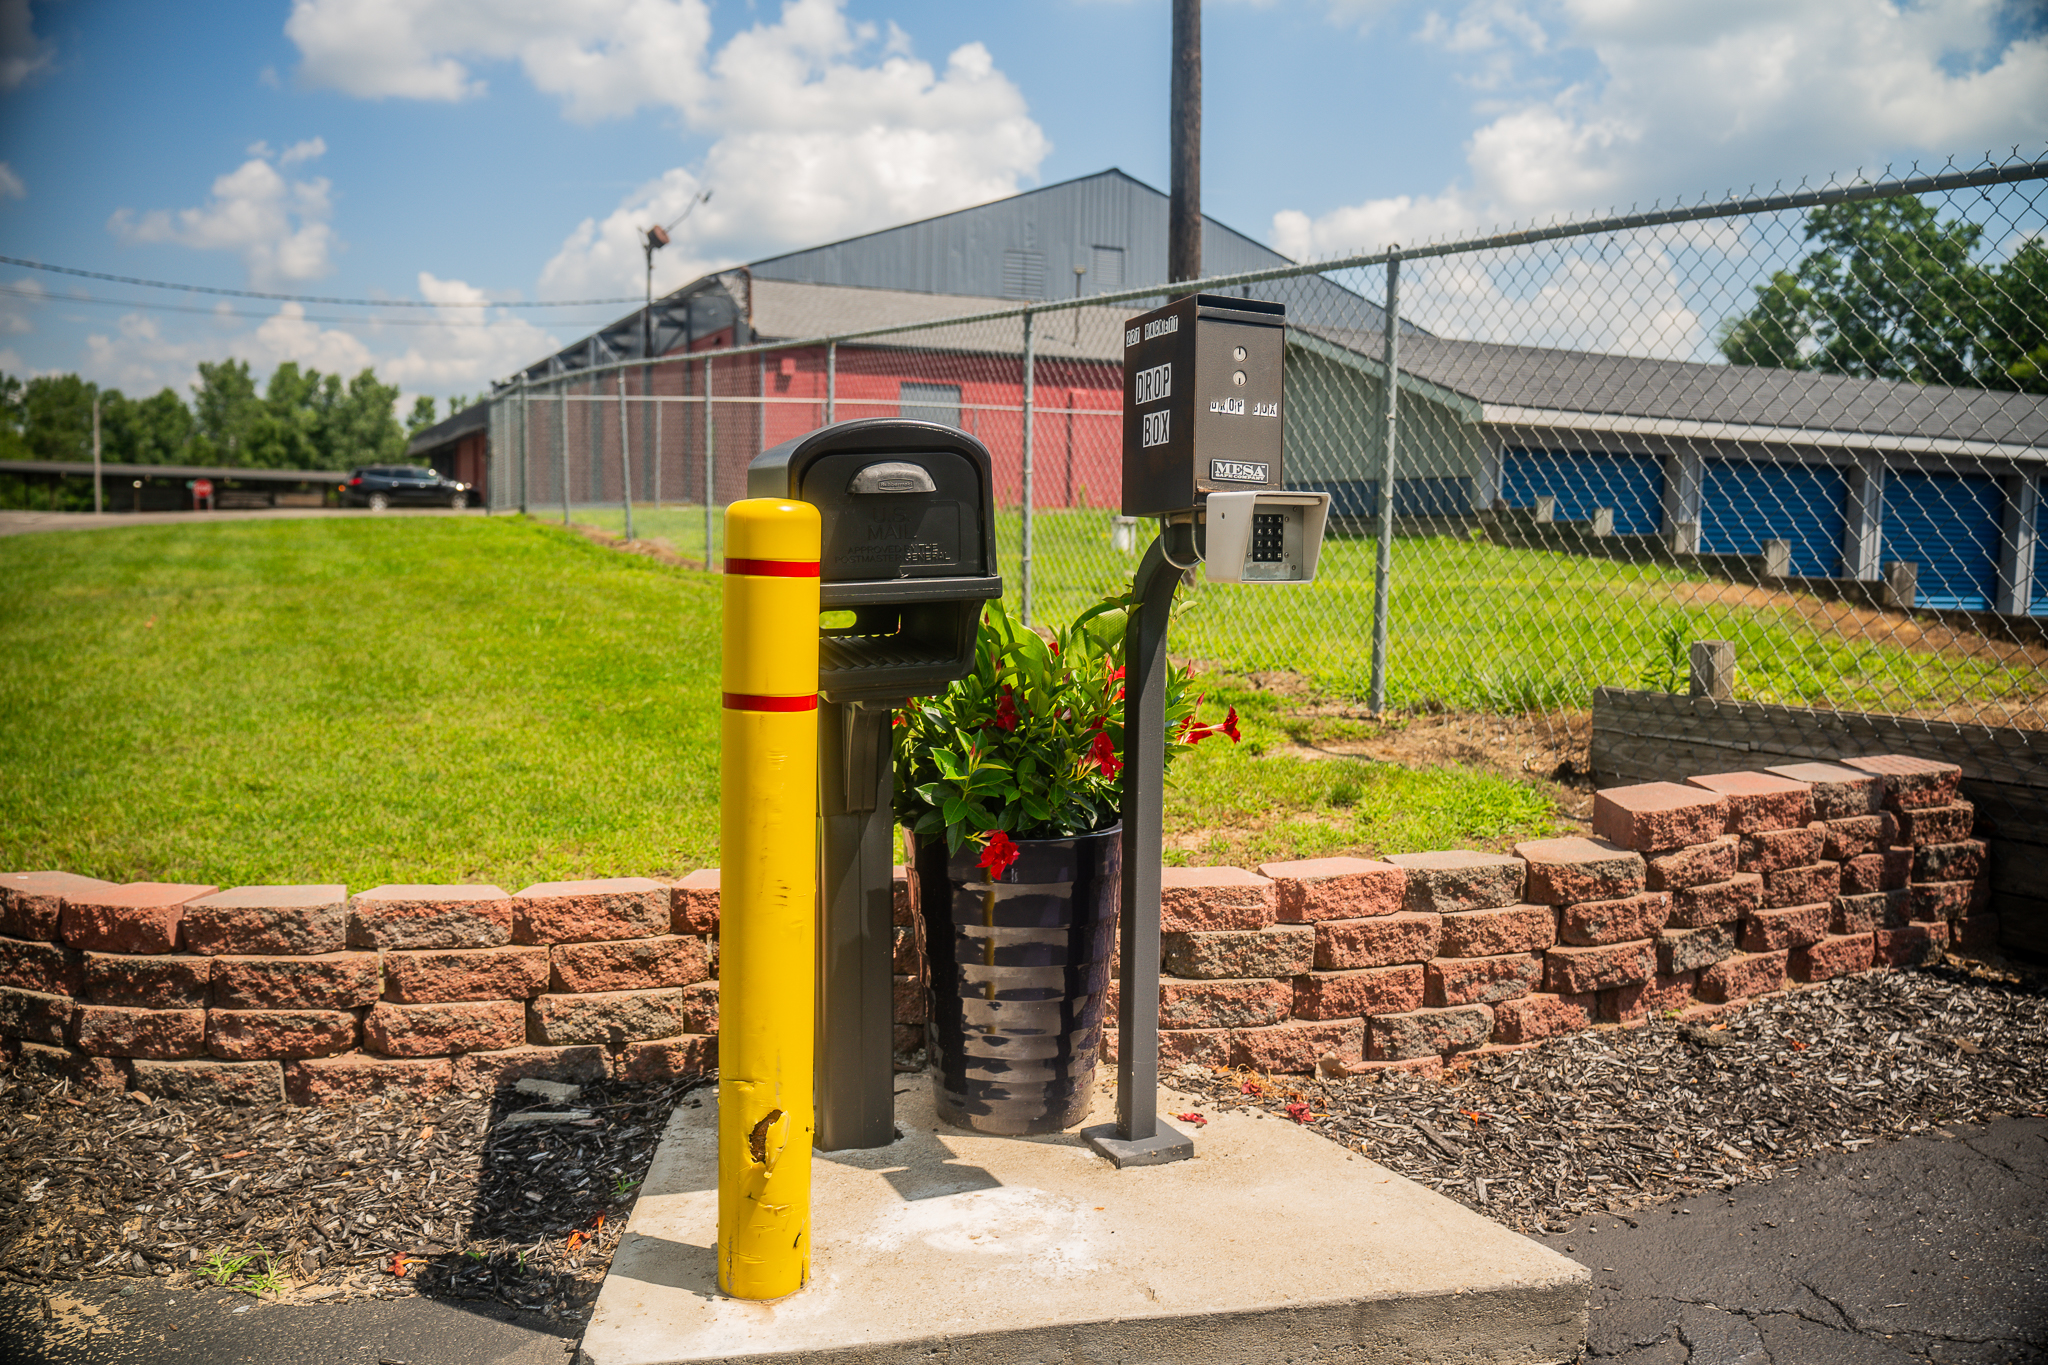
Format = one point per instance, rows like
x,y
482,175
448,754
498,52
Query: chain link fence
x,y
1813,425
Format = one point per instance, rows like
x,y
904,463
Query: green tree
x,y
226,412
361,425
57,417
1889,290
13,446
421,417
155,430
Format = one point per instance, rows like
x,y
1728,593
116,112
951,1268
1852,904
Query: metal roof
x,y
1545,386
476,417
173,471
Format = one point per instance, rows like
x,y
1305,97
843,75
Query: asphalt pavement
x,y
1933,1249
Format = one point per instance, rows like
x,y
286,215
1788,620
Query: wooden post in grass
x,y
1713,669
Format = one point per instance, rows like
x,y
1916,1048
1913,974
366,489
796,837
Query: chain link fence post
x,y
1383,553
1024,558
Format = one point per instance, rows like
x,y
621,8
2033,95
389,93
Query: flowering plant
x,y
1030,744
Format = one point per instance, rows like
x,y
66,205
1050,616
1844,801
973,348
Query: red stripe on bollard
x,y
741,701
774,568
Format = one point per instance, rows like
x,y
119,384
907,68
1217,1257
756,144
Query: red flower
x,y
1229,726
1006,711
1300,1113
1102,754
999,853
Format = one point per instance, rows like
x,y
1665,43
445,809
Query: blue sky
x,y
461,150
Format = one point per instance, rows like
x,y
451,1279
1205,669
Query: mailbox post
x,y
1203,392
908,559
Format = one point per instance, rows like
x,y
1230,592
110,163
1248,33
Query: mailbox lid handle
x,y
893,476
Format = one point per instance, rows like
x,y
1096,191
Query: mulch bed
x,y
385,1198
1617,1118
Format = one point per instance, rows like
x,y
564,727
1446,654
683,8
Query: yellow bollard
x,y
768,828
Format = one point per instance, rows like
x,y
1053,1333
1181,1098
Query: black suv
x,y
398,485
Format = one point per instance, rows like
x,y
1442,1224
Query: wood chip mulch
x,y
1617,1118
381,1199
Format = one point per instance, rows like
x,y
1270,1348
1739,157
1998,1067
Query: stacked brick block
x,y
1934,857
266,992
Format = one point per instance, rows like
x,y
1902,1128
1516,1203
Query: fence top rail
x,y
2010,172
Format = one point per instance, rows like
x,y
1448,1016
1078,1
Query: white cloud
x,y
10,183
23,295
820,127
461,356
22,54
279,226
1699,98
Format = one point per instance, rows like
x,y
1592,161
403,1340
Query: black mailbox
x,y
1203,381
908,557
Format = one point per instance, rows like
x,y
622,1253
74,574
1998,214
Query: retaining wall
x,y
1690,896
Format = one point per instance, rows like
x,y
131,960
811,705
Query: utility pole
x,y
96,508
1184,217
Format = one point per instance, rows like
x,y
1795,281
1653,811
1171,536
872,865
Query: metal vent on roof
x,y
1023,274
1105,269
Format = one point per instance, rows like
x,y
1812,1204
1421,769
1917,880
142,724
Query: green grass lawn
x,y
1478,627
371,700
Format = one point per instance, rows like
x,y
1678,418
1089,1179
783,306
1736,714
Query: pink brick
x,y
1802,885
1694,865
613,1018
693,903
1351,995
174,982
141,917
1759,801
1743,977
360,1076
1209,898
1863,874
83,1070
32,903
700,1007
1616,921
1775,849
39,965
906,956
203,1080
1416,1068
1195,1047
902,897
1666,994
35,1016
1378,942
1838,792
1491,933
665,1059
326,981
1334,888
502,1066
440,975
1297,1046
114,1031
1427,1033
1792,926
909,1000
1570,871
1858,835
591,911
1581,971
1898,867
255,1035
1911,783
1958,862
1480,980
1460,879
414,916
435,1030
1832,957
1937,824
639,964
1532,1018
1223,1004
1716,902
268,921
1285,950
1859,914
1688,950
1658,817
1909,945
1940,900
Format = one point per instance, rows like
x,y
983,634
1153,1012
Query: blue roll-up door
x,y
1633,485
1419,497
1747,502
1948,525
2041,551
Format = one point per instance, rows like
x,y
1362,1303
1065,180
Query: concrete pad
x,y
1272,1245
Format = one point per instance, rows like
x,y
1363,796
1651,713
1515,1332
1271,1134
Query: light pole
x,y
655,239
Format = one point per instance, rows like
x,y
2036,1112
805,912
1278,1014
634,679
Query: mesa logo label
x,y
1149,386
1236,471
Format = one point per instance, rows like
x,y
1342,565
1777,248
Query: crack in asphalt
x,y
1695,1340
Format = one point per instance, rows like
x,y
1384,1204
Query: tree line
x,y
1889,289
299,419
